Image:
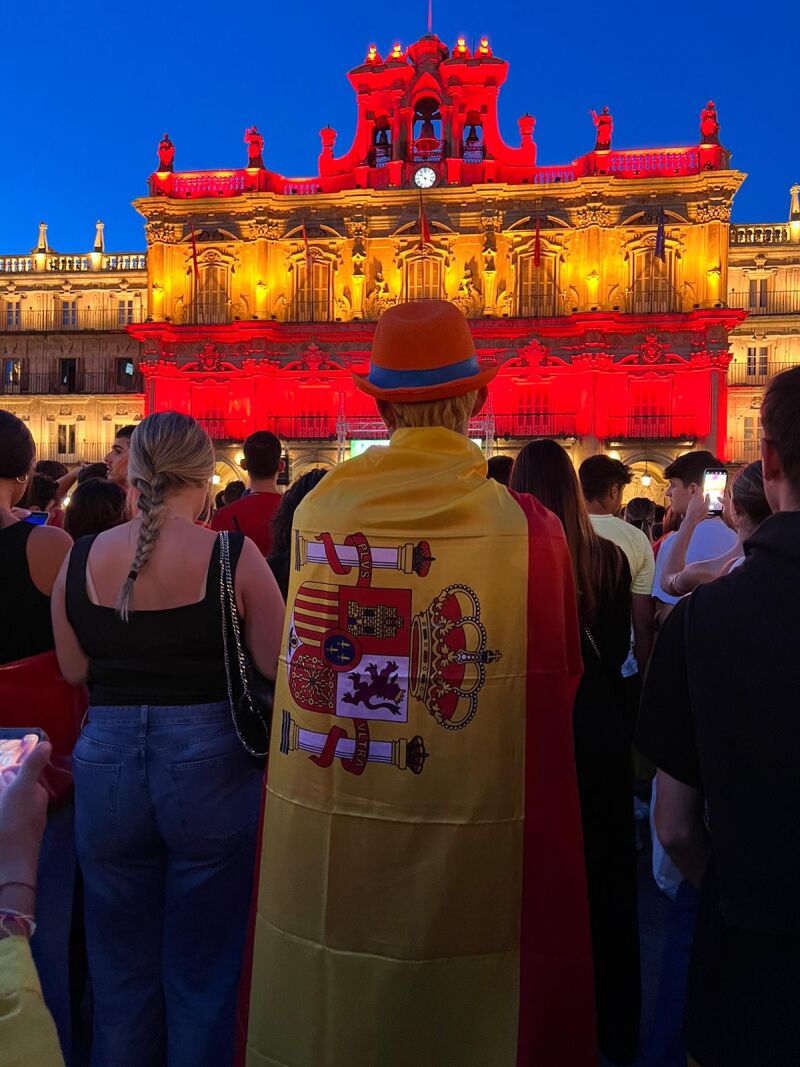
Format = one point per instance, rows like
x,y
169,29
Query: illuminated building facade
x,y
599,285
612,290
764,279
68,366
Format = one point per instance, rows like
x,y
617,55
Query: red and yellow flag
x,y
421,892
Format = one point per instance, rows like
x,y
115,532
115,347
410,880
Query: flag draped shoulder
x,y
421,894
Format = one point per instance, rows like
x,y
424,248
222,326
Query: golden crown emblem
x,y
449,657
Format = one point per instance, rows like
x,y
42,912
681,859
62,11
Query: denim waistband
x,y
160,715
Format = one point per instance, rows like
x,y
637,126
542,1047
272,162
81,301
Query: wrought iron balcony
x,y
652,300
652,427
783,302
743,451
107,383
84,452
302,310
755,374
535,424
68,318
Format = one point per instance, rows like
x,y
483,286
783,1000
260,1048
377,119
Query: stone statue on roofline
x,y
255,147
604,124
709,124
166,154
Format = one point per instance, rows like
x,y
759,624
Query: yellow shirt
x,y
27,1032
636,547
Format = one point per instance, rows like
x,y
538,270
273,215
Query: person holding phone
x,y
744,508
27,1032
710,538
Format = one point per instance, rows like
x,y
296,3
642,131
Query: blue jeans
x,y
166,813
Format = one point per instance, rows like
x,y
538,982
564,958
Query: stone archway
x,y
657,486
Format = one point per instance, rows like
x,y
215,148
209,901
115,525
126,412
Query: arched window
x,y
536,287
423,278
652,283
312,293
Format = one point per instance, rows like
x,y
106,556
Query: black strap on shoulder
x,y
235,544
76,595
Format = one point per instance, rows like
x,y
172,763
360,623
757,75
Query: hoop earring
x,y
23,479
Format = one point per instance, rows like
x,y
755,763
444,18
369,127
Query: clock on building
x,y
425,177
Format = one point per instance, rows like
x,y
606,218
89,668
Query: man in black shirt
x,y
721,720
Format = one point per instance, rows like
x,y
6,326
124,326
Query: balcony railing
x,y
535,424
66,319
755,374
652,427
427,150
740,451
51,382
543,304
651,300
72,263
85,452
782,302
777,234
300,310
213,311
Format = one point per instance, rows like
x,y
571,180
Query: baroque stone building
x,y
68,365
612,290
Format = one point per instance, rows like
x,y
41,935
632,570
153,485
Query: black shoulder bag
x,y
250,694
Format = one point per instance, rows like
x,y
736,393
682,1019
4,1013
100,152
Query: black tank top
x,y
25,626
170,657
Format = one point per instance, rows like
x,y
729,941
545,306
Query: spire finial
x,y
430,17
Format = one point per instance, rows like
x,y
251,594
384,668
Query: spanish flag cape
x,y
421,892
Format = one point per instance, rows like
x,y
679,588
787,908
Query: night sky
x,y
90,87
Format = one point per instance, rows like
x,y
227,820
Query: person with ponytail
x,y
602,744
167,799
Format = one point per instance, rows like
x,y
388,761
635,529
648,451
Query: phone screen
x,y
13,751
714,482
38,518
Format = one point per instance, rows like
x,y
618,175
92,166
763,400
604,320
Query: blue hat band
x,y
386,378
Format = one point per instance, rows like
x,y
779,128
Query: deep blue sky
x,y
89,87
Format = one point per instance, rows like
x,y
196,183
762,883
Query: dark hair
x,y
41,492
641,513
51,467
92,470
599,474
280,556
96,505
544,469
690,468
124,432
219,499
17,449
780,417
747,493
499,469
262,454
233,491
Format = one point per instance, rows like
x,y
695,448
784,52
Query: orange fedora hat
x,y
422,350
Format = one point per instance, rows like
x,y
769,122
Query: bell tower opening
x,y
428,146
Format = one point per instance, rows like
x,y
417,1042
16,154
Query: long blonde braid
x,y
167,451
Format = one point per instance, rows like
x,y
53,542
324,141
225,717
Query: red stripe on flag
x,y
556,991
537,245
424,229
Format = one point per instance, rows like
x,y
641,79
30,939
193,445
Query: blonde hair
x,y
168,451
452,413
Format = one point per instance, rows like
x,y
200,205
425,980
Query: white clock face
x,y
425,177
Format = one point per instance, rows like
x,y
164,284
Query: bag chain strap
x,y
228,603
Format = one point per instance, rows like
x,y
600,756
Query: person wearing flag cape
x,y
420,893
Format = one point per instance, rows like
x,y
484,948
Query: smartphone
x,y
37,518
714,483
15,744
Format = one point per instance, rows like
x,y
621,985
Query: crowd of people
x,y
589,645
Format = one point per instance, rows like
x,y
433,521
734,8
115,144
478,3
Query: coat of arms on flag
x,y
359,653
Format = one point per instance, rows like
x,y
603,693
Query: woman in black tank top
x,y
167,799
25,627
